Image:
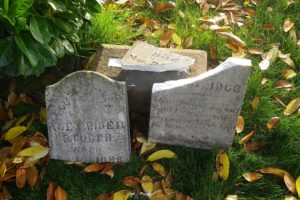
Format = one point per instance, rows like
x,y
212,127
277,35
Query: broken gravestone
x,y
139,83
200,112
88,119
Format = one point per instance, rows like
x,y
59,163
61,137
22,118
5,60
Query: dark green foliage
x,y
35,33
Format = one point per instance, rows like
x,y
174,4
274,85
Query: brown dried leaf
x,y
162,195
273,123
269,27
131,181
252,176
239,124
213,51
255,51
290,183
279,101
246,138
289,74
253,146
143,169
166,38
2,169
17,146
288,25
12,99
188,42
95,167
21,177
292,107
163,7
50,191
255,102
105,196
60,194
2,111
233,38
283,84
32,176
274,171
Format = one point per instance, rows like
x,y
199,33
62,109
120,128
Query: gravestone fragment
x,y
88,119
139,83
200,112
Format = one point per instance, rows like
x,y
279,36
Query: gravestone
x,y
88,119
139,83
200,112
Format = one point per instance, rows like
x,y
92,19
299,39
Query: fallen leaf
x,y
95,167
162,195
43,115
293,35
255,102
131,181
213,51
176,39
105,196
172,26
20,177
163,7
147,146
255,51
270,58
290,183
279,101
166,38
147,184
246,138
110,173
2,169
264,80
32,176
269,27
274,171
233,38
273,123
12,99
14,132
239,124
17,146
143,169
121,195
121,2
31,151
288,25
298,186
159,169
269,9
289,74
161,154
181,14
252,176
289,197
231,197
222,165
60,194
253,146
188,42
292,107
180,196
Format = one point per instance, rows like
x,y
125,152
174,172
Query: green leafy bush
x,y
35,33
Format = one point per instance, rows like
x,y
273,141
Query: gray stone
x,y
88,119
140,83
200,112
145,57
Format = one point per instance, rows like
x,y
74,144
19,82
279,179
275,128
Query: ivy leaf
x,y
39,30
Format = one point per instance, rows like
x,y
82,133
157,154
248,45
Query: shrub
x,y
35,33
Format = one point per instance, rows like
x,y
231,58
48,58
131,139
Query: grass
x,y
193,169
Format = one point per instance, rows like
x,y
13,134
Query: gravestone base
x,y
139,83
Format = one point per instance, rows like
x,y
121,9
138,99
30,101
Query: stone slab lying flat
x,y
140,83
200,112
88,119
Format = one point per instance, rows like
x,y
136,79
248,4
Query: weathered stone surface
x,y
200,112
140,83
88,119
145,57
